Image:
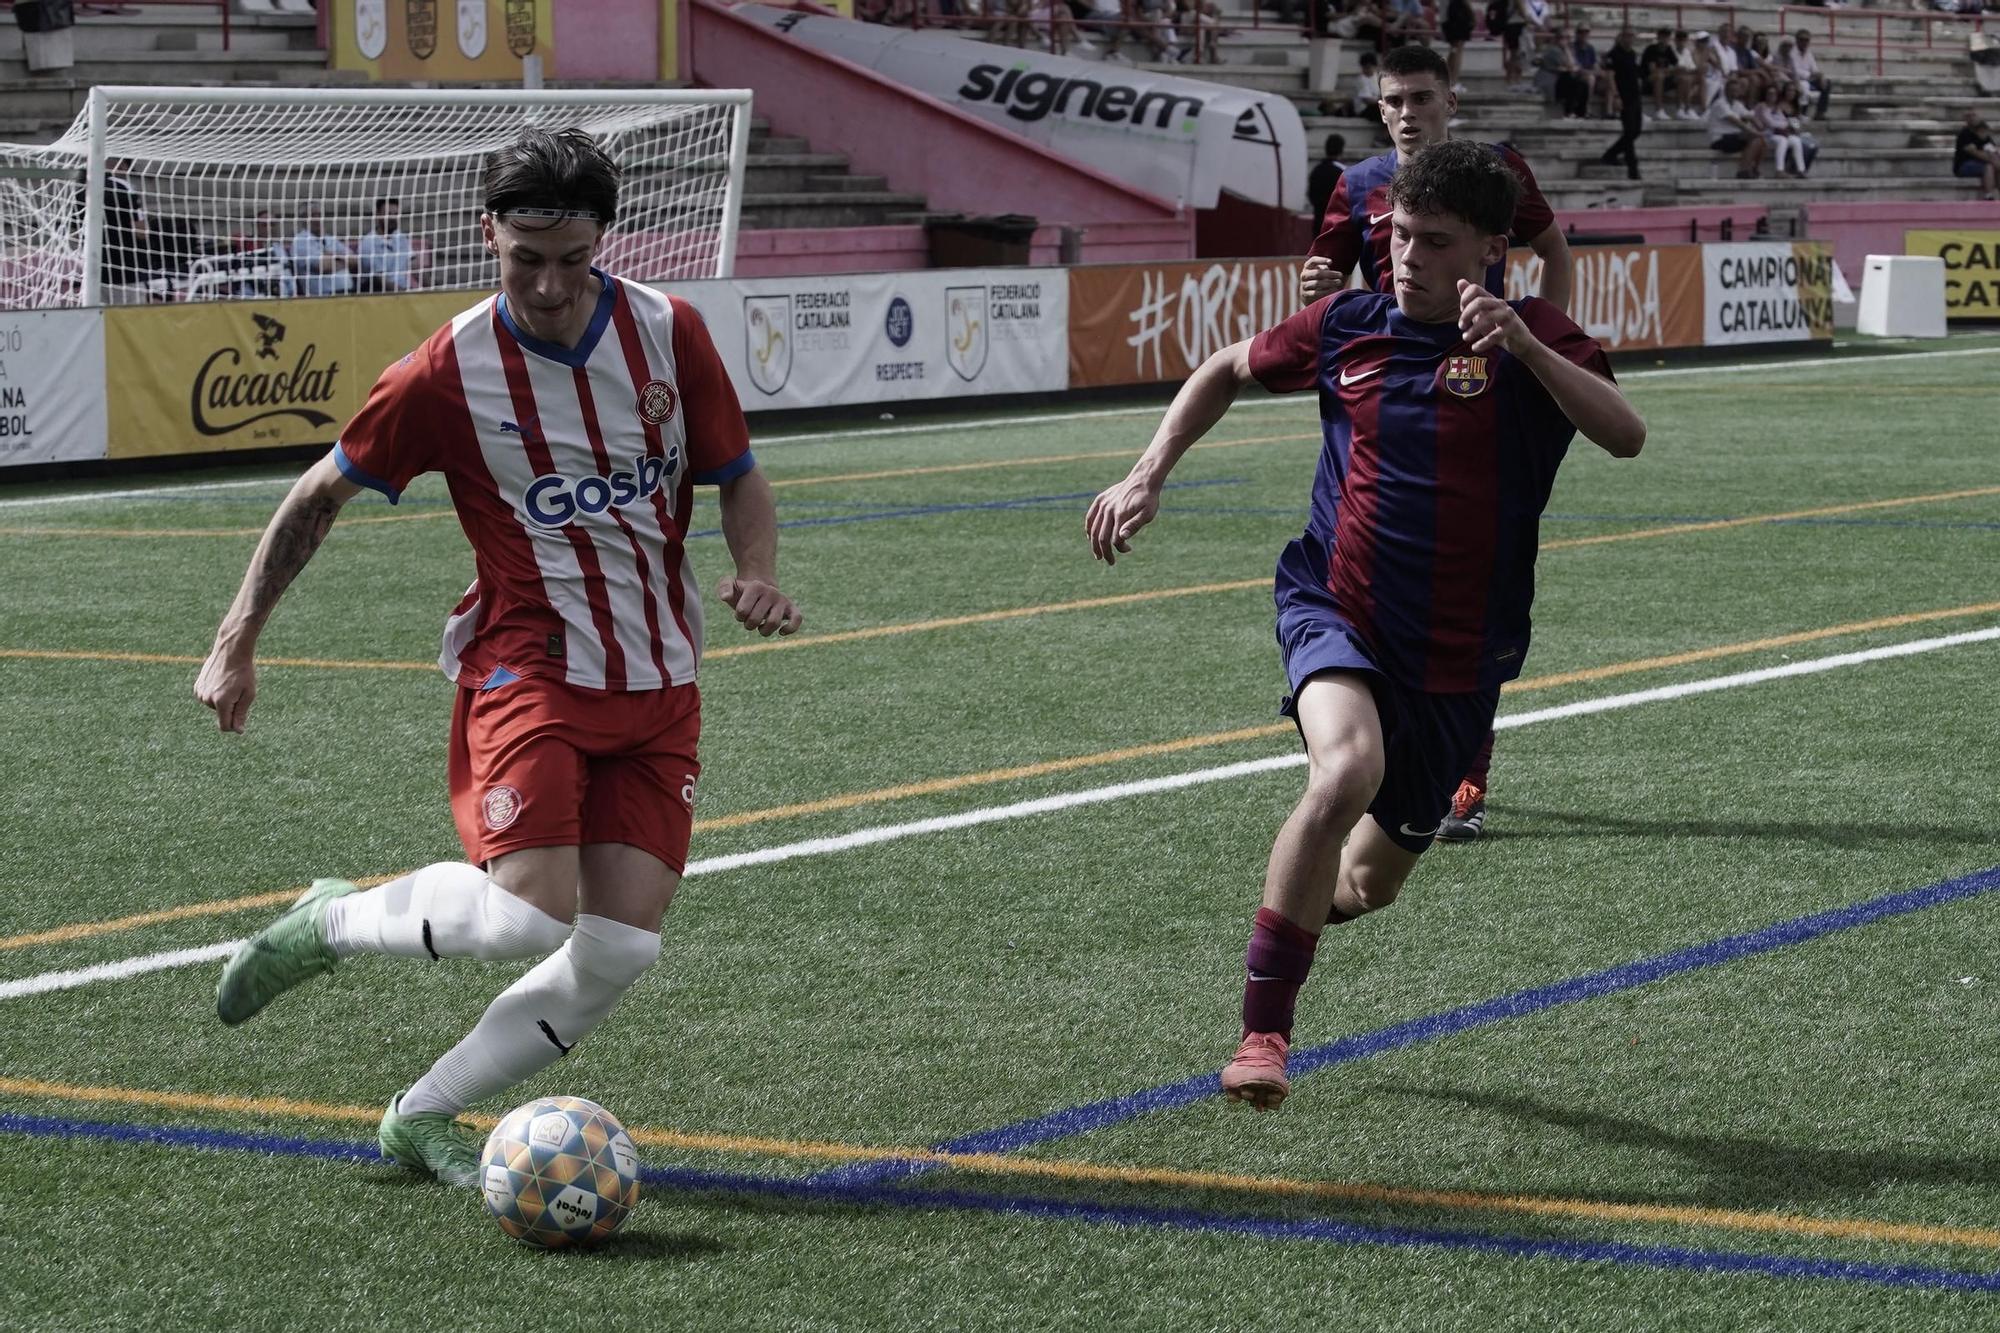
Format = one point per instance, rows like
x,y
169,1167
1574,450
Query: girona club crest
x,y
1466,375
767,329
657,402
501,807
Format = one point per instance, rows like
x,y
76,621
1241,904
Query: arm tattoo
x,y
295,533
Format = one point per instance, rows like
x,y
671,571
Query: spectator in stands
x,y
269,271
1200,22
321,264
1708,61
1805,69
1458,25
1513,44
1656,67
1012,27
127,241
1596,78
1686,76
1795,121
1367,91
383,262
1773,124
1732,129
1626,89
1556,77
1974,156
1325,176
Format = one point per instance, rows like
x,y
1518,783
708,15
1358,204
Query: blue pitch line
x,y
691,1181
1097,1115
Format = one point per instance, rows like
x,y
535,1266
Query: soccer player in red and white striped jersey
x,y
572,415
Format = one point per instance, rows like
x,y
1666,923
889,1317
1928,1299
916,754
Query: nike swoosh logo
x,y
1409,832
1373,219
1346,378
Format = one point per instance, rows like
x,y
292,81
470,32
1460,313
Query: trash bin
x,y
47,36
995,241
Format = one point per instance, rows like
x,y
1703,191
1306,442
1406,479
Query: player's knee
x,y
516,928
1341,780
1371,888
611,952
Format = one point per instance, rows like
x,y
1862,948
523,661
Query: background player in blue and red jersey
x,y
1445,413
1417,106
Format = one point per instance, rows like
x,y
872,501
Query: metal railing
x,y
1847,28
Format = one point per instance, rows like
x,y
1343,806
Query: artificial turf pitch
x,y
1791,1136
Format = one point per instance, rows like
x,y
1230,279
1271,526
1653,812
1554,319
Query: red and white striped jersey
x,y
573,471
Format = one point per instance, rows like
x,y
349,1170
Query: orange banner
x,y
1144,323
1628,297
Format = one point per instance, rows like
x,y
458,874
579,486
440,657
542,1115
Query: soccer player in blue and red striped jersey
x,y
1417,104
1445,413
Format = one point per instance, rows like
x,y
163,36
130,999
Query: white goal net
x,y
171,194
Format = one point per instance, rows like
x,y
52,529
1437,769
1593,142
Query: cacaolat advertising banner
x,y
443,40
1143,323
1971,269
208,377
1628,297
1768,292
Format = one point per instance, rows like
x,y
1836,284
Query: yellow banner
x,y
209,377
442,40
1971,269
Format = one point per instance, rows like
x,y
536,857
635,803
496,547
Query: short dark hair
x,y
1407,60
1369,58
563,171
1459,178
1335,145
385,201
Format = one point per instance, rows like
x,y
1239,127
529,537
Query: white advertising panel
x,y
1185,140
51,386
1771,292
888,337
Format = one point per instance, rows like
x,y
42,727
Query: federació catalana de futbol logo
x,y
1466,375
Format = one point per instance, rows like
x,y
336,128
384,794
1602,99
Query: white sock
x,y
535,1021
447,910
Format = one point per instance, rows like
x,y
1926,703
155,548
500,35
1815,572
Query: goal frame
x,y
104,95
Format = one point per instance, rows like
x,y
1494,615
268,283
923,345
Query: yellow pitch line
x,y
1718,524
1588,1210
851,800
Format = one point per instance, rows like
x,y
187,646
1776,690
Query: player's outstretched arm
x,y
750,527
1130,505
1596,406
228,679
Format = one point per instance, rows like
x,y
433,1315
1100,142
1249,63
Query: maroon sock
x,y
1280,955
1480,763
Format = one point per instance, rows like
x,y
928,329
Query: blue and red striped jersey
x,y
1357,219
1434,471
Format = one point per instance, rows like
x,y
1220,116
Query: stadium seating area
x,y
1887,136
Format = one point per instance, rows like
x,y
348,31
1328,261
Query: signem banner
x,y
1971,269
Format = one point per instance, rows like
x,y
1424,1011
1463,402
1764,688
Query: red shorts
x,y
539,763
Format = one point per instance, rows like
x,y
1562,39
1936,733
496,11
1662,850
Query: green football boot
x,y
431,1142
281,955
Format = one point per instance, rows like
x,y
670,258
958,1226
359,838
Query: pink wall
x,y
614,41
1860,230
766,254
1665,226
958,162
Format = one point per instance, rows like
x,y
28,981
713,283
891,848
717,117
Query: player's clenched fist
x,y
1118,513
1316,279
760,606
228,686
1488,322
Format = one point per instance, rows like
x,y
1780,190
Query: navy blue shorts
x,y
1429,740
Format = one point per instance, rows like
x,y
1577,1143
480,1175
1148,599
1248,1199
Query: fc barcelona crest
x,y
1466,375
420,27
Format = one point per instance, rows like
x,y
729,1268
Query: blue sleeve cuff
x,y
360,478
729,471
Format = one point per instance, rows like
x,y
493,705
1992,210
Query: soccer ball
x,y
560,1171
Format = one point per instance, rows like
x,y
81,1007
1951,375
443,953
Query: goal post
x,y
213,193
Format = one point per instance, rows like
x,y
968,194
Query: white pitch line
x,y
994,814
119,971
996,423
